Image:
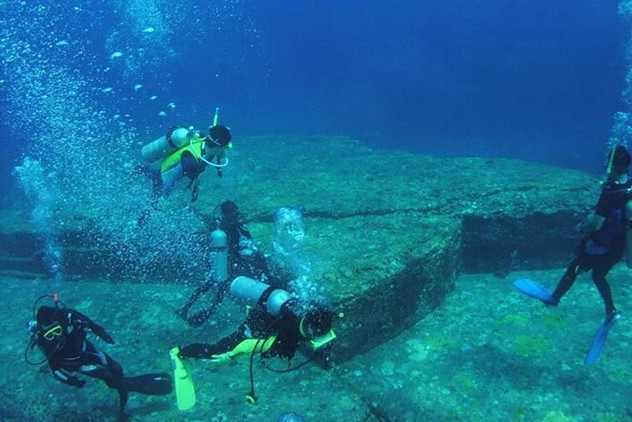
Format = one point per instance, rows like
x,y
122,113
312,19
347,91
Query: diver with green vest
x,y
184,152
277,324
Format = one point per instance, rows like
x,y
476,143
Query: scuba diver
x,y
190,159
183,152
601,247
277,324
233,253
61,333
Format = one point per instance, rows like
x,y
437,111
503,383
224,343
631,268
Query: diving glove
x,y
221,359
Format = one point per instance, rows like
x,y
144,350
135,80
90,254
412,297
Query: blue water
x,y
536,80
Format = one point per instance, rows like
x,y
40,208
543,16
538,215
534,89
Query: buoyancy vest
x,y
195,147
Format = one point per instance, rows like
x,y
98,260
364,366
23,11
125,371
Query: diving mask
x,y
54,331
321,341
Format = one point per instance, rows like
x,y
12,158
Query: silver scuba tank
x,y
166,144
219,255
250,290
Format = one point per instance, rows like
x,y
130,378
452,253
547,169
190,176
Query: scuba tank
x,y
174,139
219,255
250,290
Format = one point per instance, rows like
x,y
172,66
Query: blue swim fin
x,y
534,290
599,341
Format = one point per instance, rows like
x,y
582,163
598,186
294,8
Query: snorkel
x,y
611,158
216,117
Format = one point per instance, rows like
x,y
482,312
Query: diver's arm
x,y
221,354
83,320
253,345
220,173
593,224
206,351
249,346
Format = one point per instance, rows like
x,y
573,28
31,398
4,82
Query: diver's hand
x,y
221,359
100,332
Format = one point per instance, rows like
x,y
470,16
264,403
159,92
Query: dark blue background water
x,y
536,80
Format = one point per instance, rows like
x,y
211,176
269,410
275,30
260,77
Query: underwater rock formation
x,y
387,232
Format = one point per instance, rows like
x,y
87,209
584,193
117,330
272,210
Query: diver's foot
x,y
182,313
612,317
549,301
535,291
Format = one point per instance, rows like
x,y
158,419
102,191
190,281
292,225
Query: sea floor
x,y
487,354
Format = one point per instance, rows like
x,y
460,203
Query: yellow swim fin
x,y
185,391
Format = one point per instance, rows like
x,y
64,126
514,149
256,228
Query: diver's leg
x,y
169,179
100,365
567,280
197,293
599,278
200,317
153,173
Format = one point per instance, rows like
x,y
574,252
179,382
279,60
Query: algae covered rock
x,y
387,232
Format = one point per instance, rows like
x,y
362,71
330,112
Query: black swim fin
x,y
152,384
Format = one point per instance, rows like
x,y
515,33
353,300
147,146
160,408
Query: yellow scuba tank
x,y
166,144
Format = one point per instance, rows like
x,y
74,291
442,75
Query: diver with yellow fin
x,y
61,333
277,324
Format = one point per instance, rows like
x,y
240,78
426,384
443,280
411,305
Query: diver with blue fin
x,y
603,244
61,334
277,324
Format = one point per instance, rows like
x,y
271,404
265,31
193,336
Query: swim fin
x,y
185,391
152,384
534,290
599,341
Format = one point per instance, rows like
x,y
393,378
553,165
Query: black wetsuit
x,y
601,250
258,325
244,259
62,335
71,351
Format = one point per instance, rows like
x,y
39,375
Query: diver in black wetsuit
x,y
276,325
244,258
604,242
61,335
